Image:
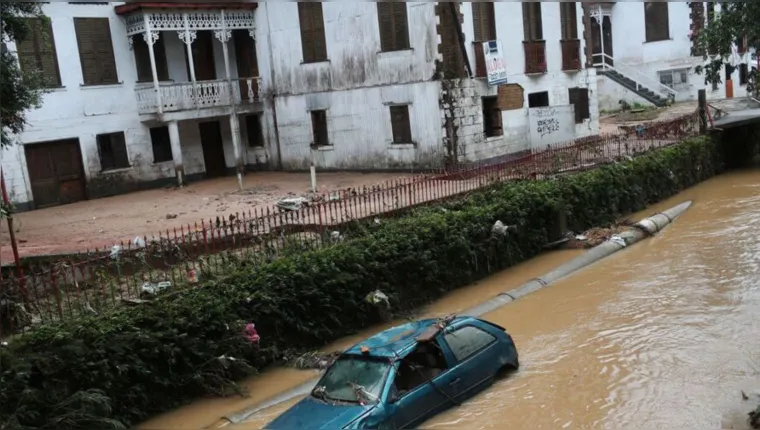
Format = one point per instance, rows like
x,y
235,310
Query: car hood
x,y
313,414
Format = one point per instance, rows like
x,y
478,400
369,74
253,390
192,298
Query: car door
x,y
476,355
421,403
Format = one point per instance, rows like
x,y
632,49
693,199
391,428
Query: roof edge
x,y
140,6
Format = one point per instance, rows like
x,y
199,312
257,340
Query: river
x,y
665,334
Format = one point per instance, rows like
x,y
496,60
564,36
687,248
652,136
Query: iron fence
x,y
131,272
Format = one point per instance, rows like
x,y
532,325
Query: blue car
x,y
405,375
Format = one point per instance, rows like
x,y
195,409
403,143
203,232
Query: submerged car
x,y
405,375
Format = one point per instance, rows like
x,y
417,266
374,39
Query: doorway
x,y
203,57
596,41
56,172
213,149
247,63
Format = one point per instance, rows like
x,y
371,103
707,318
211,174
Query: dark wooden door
x,y
213,149
203,57
56,172
596,41
247,63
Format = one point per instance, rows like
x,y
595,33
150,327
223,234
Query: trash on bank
x,y
293,203
499,229
152,288
376,297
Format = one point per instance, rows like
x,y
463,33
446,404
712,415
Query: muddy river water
x,y
663,335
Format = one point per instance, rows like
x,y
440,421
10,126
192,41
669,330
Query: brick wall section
x,y
697,16
449,67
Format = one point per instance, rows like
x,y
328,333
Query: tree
x,y
734,21
19,91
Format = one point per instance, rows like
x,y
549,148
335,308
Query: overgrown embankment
x,y
121,367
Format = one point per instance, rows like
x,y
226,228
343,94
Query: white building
x,y
279,85
649,54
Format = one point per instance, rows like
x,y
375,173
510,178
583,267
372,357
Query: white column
x,y
224,36
176,152
150,38
188,37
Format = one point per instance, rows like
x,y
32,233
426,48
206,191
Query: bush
x,y
118,368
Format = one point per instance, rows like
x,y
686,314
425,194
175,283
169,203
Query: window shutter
x,y
483,21
37,52
385,22
526,21
569,17
320,48
400,25
96,50
104,49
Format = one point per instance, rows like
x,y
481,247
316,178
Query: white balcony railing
x,y
199,95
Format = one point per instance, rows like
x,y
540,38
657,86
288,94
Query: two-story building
x,y
645,53
146,93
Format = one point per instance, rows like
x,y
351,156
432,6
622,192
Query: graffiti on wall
x,y
551,124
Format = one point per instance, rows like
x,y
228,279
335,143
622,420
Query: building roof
x,y
135,6
396,341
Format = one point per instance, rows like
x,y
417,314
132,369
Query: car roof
x,y
396,341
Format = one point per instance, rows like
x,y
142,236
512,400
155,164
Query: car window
x,y
354,380
466,341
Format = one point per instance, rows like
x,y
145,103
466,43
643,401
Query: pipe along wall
x,y
641,230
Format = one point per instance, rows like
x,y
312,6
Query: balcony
x,y
535,56
571,55
199,95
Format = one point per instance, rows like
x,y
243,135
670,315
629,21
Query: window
x,y
538,99
569,20
491,117
162,146
484,22
656,21
420,367
253,129
96,51
394,29
675,79
532,24
743,74
579,98
142,59
400,124
312,32
112,149
37,52
367,373
319,128
467,341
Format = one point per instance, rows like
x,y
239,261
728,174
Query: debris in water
x,y
618,240
314,360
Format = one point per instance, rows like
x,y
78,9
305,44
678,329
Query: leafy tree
x,y
19,91
734,21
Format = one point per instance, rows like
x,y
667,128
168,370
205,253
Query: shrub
x,y
118,368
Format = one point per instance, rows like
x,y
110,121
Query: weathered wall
x,y
610,93
75,111
359,128
466,95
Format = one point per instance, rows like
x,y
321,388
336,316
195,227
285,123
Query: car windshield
x,y
353,380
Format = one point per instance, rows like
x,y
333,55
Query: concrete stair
x,y
630,84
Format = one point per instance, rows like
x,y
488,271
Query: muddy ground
x,y
103,222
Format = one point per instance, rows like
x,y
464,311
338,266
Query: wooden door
x,y
247,63
213,149
56,172
203,57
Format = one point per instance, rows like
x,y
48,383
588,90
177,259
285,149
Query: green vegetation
x,y
115,369
19,91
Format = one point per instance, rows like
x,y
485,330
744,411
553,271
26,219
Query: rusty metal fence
x,y
131,272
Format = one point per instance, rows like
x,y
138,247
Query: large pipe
x,y
641,230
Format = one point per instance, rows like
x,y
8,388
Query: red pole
x,y
12,235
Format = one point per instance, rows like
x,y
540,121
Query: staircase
x,y
628,77
644,92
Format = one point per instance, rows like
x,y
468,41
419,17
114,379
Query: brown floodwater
x,y
663,335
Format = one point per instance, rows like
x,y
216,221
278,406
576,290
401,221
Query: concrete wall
x,y
610,93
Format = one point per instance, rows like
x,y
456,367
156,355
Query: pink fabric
x,y
251,334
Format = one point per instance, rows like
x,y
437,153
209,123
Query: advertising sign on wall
x,y
497,70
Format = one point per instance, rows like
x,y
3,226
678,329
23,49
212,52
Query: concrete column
x,y
176,152
236,145
150,38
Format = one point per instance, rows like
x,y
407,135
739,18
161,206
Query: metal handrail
x,y
641,77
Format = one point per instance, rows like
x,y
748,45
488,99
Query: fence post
x,y
12,236
702,94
